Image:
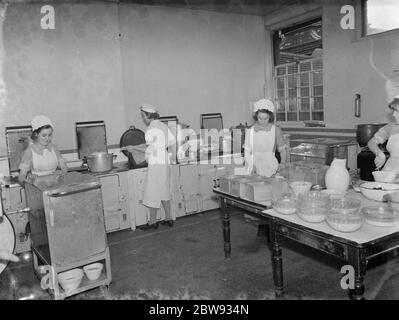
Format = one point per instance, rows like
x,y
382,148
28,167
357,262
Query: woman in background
x,y
262,139
389,132
42,156
157,188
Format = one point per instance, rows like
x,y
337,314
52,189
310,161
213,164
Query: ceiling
x,y
249,7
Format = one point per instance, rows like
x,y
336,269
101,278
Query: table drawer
x,y
309,239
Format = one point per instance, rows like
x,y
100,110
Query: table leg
x,y
226,228
277,263
358,261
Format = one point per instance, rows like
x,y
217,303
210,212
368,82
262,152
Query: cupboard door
x,y
112,210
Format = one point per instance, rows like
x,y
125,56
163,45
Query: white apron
x,y
44,164
158,179
392,163
261,156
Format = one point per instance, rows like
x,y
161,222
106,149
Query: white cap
x,y
148,108
264,104
40,121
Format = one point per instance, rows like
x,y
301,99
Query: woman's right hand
x,y
379,160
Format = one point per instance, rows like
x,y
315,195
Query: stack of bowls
x,y
285,205
344,215
377,190
313,206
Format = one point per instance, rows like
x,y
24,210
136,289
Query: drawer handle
x,y
284,230
328,246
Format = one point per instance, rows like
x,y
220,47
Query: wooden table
x,y
355,249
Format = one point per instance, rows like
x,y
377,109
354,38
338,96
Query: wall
x,y
71,73
357,66
191,62
351,65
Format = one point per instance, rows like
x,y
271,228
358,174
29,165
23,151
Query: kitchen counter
x,y
117,167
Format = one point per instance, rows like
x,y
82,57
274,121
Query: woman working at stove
x,y
389,132
262,139
157,188
42,156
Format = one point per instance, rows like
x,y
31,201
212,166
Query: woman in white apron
x,y
261,141
42,156
389,132
157,188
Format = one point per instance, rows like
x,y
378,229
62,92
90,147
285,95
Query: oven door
x,y
75,224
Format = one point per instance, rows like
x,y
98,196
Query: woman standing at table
x,y
262,139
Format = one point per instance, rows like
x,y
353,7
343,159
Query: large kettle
x,y
365,132
100,161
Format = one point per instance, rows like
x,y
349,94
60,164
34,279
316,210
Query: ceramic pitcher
x,y
337,176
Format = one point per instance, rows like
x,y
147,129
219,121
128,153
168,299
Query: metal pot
x,y
100,161
365,132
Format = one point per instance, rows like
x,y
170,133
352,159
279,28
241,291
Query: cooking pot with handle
x,y
100,161
365,132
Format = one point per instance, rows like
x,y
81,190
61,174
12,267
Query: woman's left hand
x,y
8,256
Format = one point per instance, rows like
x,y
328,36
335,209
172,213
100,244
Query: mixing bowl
x,y
313,206
300,187
285,205
345,222
93,271
377,190
381,216
384,176
71,279
345,205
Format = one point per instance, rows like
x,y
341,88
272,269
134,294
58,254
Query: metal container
x,y
100,161
364,132
320,150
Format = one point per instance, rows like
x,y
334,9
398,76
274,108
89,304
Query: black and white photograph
x,y
212,152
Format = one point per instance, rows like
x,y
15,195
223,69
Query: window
x,y
298,72
379,16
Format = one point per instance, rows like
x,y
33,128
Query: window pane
x,y
317,78
304,116
280,105
280,71
292,105
318,116
291,81
318,103
281,94
304,79
318,91
280,83
280,116
292,116
304,104
304,92
380,16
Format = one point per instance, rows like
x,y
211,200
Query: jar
x,y
337,176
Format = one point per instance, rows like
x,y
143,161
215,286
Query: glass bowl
x,y
345,222
345,205
381,216
313,206
285,205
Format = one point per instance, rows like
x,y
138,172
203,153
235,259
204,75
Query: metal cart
x,y
67,229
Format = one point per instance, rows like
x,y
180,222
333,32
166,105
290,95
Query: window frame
x,y
360,22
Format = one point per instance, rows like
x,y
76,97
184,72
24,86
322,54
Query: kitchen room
x,y
101,60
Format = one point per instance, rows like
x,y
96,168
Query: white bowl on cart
x,y
71,279
93,271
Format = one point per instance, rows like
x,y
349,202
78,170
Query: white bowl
x,y
93,271
71,279
384,176
300,187
377,190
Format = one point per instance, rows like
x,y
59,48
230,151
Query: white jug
x,y
337,176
